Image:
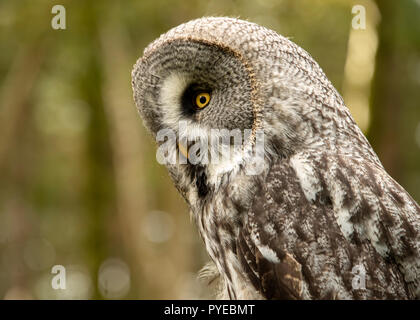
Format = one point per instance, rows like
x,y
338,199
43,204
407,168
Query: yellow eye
x,y
202,99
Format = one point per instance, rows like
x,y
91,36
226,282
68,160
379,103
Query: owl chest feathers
x,y
281,222
220,213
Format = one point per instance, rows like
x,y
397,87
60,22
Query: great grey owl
x,y
317,217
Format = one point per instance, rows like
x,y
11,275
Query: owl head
x,y
218,78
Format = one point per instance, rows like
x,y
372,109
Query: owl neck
x,y
220,212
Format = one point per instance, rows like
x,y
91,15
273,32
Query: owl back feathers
x,y
346,213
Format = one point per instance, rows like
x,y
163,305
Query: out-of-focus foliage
x,y
80,185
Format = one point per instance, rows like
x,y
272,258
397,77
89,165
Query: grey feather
x,y
322,205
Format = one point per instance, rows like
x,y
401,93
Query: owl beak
x,y
183,148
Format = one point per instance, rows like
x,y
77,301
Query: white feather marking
x,y
269,254
343,220
170,96
266,251
342,213
307,177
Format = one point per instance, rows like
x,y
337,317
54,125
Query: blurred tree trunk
x,y
396,94
16,92
98,193
386,101
15,122
126,146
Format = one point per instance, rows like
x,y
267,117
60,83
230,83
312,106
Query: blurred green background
x,y
80,185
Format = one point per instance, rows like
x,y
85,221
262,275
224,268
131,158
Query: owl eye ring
x,y
202,99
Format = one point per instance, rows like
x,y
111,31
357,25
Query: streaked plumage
x,y
323,203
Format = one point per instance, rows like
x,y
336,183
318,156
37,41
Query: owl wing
x,y
331,226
